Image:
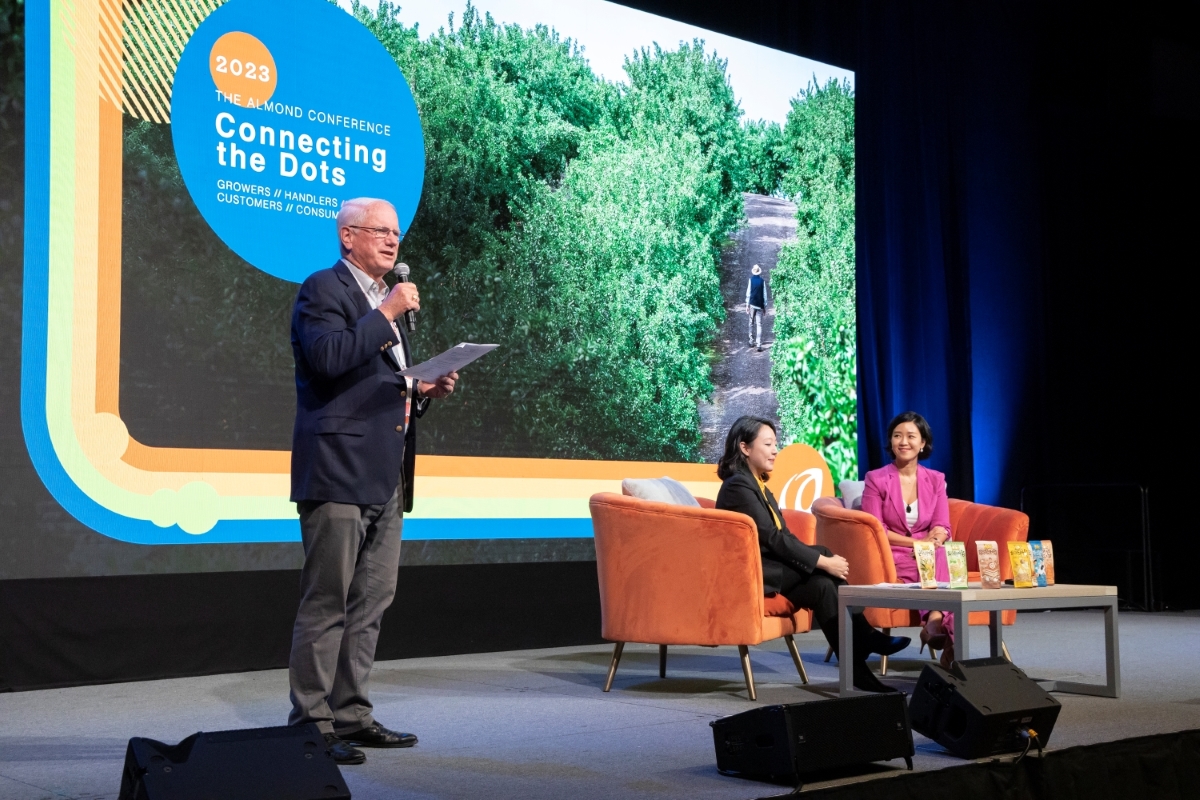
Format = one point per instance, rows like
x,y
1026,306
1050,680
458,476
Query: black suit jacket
x,y
350,442
777,546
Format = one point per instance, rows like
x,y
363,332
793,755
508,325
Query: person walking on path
x,y
756,305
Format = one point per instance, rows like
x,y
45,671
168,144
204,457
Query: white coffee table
x,y
963,601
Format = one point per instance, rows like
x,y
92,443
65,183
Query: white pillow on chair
x,y
852,492
660,490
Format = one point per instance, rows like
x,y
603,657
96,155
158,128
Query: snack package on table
x,y
926,554
1039,563
956,560
989,564
1048,559
1021,561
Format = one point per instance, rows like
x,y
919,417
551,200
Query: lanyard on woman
x,y
762,487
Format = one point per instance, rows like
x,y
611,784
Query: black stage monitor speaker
x,y
790,740
288,763
984,706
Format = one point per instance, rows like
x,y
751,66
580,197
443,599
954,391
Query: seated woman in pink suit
x,y
910,501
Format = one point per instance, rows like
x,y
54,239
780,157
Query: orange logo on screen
x,y
243,69
800,477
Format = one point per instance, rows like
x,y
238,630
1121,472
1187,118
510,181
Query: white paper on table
x,y
452,360
941,585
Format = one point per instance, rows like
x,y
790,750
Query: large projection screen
x,y
585,185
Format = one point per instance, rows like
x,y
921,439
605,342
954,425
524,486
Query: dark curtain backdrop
x,y
948,218
914,332
1026,216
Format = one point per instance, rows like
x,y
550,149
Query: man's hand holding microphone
x,y
402,298
405,297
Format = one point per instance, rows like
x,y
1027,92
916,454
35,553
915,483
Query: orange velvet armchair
x,y
688,576
860,538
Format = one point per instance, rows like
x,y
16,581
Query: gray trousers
x,y
351,558
756,318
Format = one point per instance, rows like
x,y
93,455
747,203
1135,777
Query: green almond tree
x,y
575,221
813,373
765,157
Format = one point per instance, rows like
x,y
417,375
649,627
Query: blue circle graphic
x,y
270,175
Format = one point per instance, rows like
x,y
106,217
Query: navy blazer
x,y
776,546
350,443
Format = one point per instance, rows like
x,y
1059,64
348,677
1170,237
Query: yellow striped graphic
x,y
146,38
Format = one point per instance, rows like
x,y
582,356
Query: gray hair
x,y
353,212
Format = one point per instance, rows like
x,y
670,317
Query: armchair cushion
x,y
776,605
659,490
801,524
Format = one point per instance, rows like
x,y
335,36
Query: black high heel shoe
x,y
936,641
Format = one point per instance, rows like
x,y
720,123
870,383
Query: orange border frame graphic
x,y
79,74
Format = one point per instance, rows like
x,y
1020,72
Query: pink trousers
x,y
906,572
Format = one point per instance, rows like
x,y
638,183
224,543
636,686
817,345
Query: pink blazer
x,y
883,499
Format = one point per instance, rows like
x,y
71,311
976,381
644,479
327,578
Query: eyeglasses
x,y
380,233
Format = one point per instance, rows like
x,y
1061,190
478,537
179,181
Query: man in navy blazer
x,y
353,454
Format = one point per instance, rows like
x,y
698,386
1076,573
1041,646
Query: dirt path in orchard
x,y
742,375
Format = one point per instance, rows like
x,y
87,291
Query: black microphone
x,y
410,316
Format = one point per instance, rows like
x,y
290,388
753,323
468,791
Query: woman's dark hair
x,y
922,428
744,431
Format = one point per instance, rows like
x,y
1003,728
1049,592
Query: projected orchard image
x,y
653,222
601,228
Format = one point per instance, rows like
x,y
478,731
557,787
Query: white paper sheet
x,y
452,360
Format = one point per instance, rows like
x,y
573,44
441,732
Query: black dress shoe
x,y
375,735
342,752
886,645
865,680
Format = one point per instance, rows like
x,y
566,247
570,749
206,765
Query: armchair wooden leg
x,y
744,652
662,661
612,668
1004,648
883,659
828,654
791,643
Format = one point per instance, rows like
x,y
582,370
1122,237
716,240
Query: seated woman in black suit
x,y
807,576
